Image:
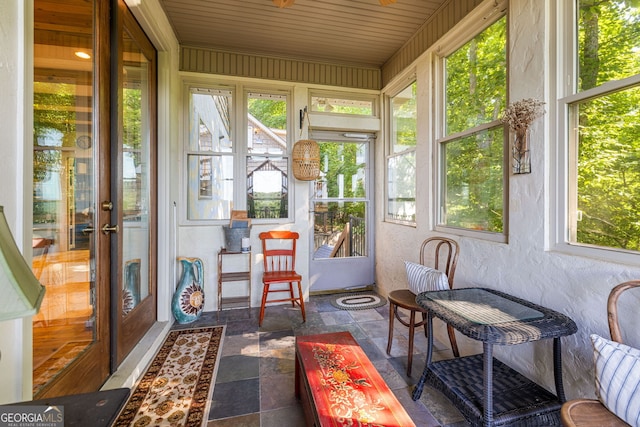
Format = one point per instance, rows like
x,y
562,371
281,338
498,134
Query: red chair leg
x,y
265,292
293,297
304,316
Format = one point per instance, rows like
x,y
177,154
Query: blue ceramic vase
x,y
188,300
131,290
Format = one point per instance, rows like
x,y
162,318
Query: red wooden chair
x,y
279,258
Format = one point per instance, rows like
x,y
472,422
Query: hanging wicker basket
x,y
306,160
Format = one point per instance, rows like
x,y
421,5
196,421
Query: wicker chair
x,y
445,258
590,412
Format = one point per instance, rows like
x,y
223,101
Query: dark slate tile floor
x,y
255,381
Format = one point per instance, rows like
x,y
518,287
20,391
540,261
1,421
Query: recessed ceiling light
x,y
83,55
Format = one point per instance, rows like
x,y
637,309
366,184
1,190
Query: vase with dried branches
x,y
519,116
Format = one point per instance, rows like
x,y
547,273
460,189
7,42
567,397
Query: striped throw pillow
x,y
618,378
422,278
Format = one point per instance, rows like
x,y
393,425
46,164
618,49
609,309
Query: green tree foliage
x,y
53,125
345,160
474,182
476,95
476,80
132,117
272,114
405,118
609,126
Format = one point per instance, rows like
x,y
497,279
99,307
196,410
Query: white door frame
x,y
344,273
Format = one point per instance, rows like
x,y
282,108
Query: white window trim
x,y
188,87
408,79
563,64
484,16
243,152
373,98
239,93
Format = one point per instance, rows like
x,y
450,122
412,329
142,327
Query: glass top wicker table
x,y
486,391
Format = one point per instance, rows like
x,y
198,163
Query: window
x,y
401,160
603,121
337,103
267,161
472,138
210,155
223,174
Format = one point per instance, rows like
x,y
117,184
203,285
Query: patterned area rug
x,y
358,301
177,387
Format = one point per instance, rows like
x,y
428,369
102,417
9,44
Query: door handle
x,y
88,230
106,229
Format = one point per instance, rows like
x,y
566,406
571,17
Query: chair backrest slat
x,y
445,253
612,308
279,250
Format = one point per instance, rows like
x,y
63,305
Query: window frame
x,y
346,96
239,149
189,90
450,44
245,154
390,142
563,206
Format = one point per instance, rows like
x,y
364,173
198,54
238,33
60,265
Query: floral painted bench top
x,y
342,386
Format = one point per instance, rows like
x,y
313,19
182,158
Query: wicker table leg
x,y
487,369
557,369
417,392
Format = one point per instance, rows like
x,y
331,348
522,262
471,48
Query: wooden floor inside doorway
x,y
64,326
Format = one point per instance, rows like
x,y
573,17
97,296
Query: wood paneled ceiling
x,y
350,32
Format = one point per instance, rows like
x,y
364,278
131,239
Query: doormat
x,y
177,387
358,301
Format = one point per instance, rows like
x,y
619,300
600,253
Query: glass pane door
x,y
133,221
341,255
135,178
63,189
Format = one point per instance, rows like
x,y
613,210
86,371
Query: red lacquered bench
x,y
338,385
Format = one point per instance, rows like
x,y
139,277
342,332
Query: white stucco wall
x,y
575,286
